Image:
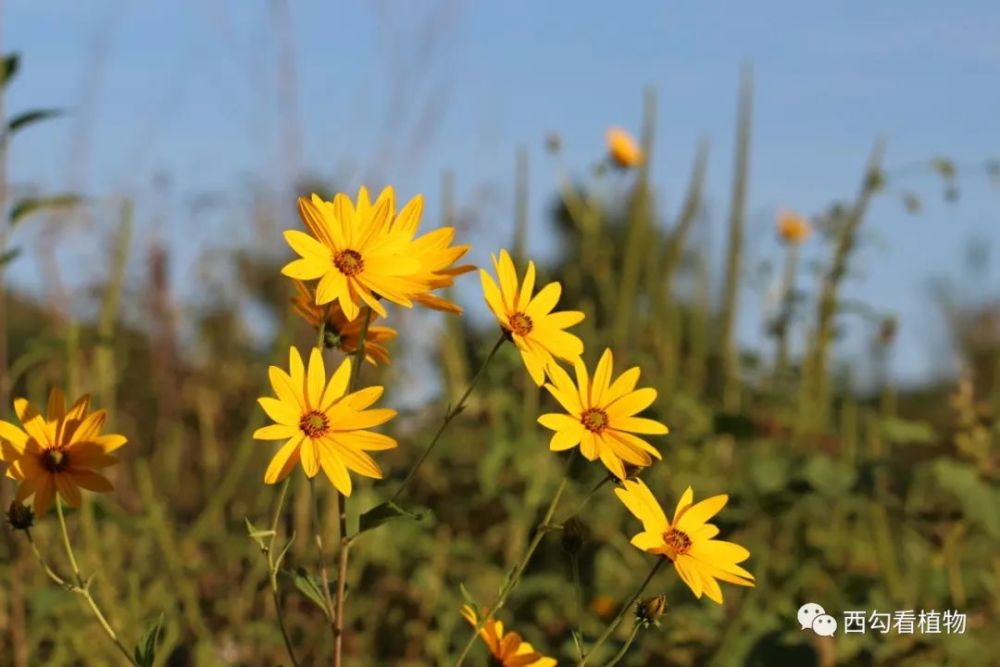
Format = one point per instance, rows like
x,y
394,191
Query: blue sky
x,y
400,91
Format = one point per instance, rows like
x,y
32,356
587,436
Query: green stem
x,y
453,412
515,576
83,588
345,544
625,647
273,569
586,499
324,577
621,613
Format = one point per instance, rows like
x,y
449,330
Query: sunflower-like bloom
x,y
792,227
434,254
623,149
60,451
507,650
687,540
340,332
322,425
537,332
601,415
355,253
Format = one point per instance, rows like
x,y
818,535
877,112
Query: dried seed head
x,y
20,516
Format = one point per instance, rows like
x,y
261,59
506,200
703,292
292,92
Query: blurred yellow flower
x,y
687,540
507,650
537,332
354,252
601,415
623,149
322,425
792,227
60,451
342,333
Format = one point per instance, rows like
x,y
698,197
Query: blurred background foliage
x,y
880,498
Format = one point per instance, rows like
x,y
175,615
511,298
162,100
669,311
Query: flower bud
x,y
649,610
575,535
20,516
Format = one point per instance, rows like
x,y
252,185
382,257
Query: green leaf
x,y
27,207
31,117
828,476
309,586
380,514
907,432
9,256
8,69
257,534
145,652
467,596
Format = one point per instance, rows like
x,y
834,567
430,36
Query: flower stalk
x,y
449,416
515,576
608,631
79,585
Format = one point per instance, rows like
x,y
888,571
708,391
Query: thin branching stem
x,y
515,576
608,631
453,412
275,566
82,587
625,647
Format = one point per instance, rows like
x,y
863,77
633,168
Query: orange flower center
x,y
349,262
55,460
521,324
594,420
314,424
677,541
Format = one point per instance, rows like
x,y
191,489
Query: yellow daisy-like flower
x,y
342,333
792,227
507,650
60,451
322,425
354,252
434,254
602,415
623,149
687,540
529,321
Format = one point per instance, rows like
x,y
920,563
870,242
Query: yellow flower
x,y
60,451
792,227
529,321
623,149
687,540
322,425
354,252
434,254
344,334
508,650
601,415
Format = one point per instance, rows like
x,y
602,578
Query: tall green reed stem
x,y
608,631
639,227
734,252
815,404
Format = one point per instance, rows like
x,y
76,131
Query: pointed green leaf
x,y
309,586
30,117
379,514
467,596
27,207
145,652
8,68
